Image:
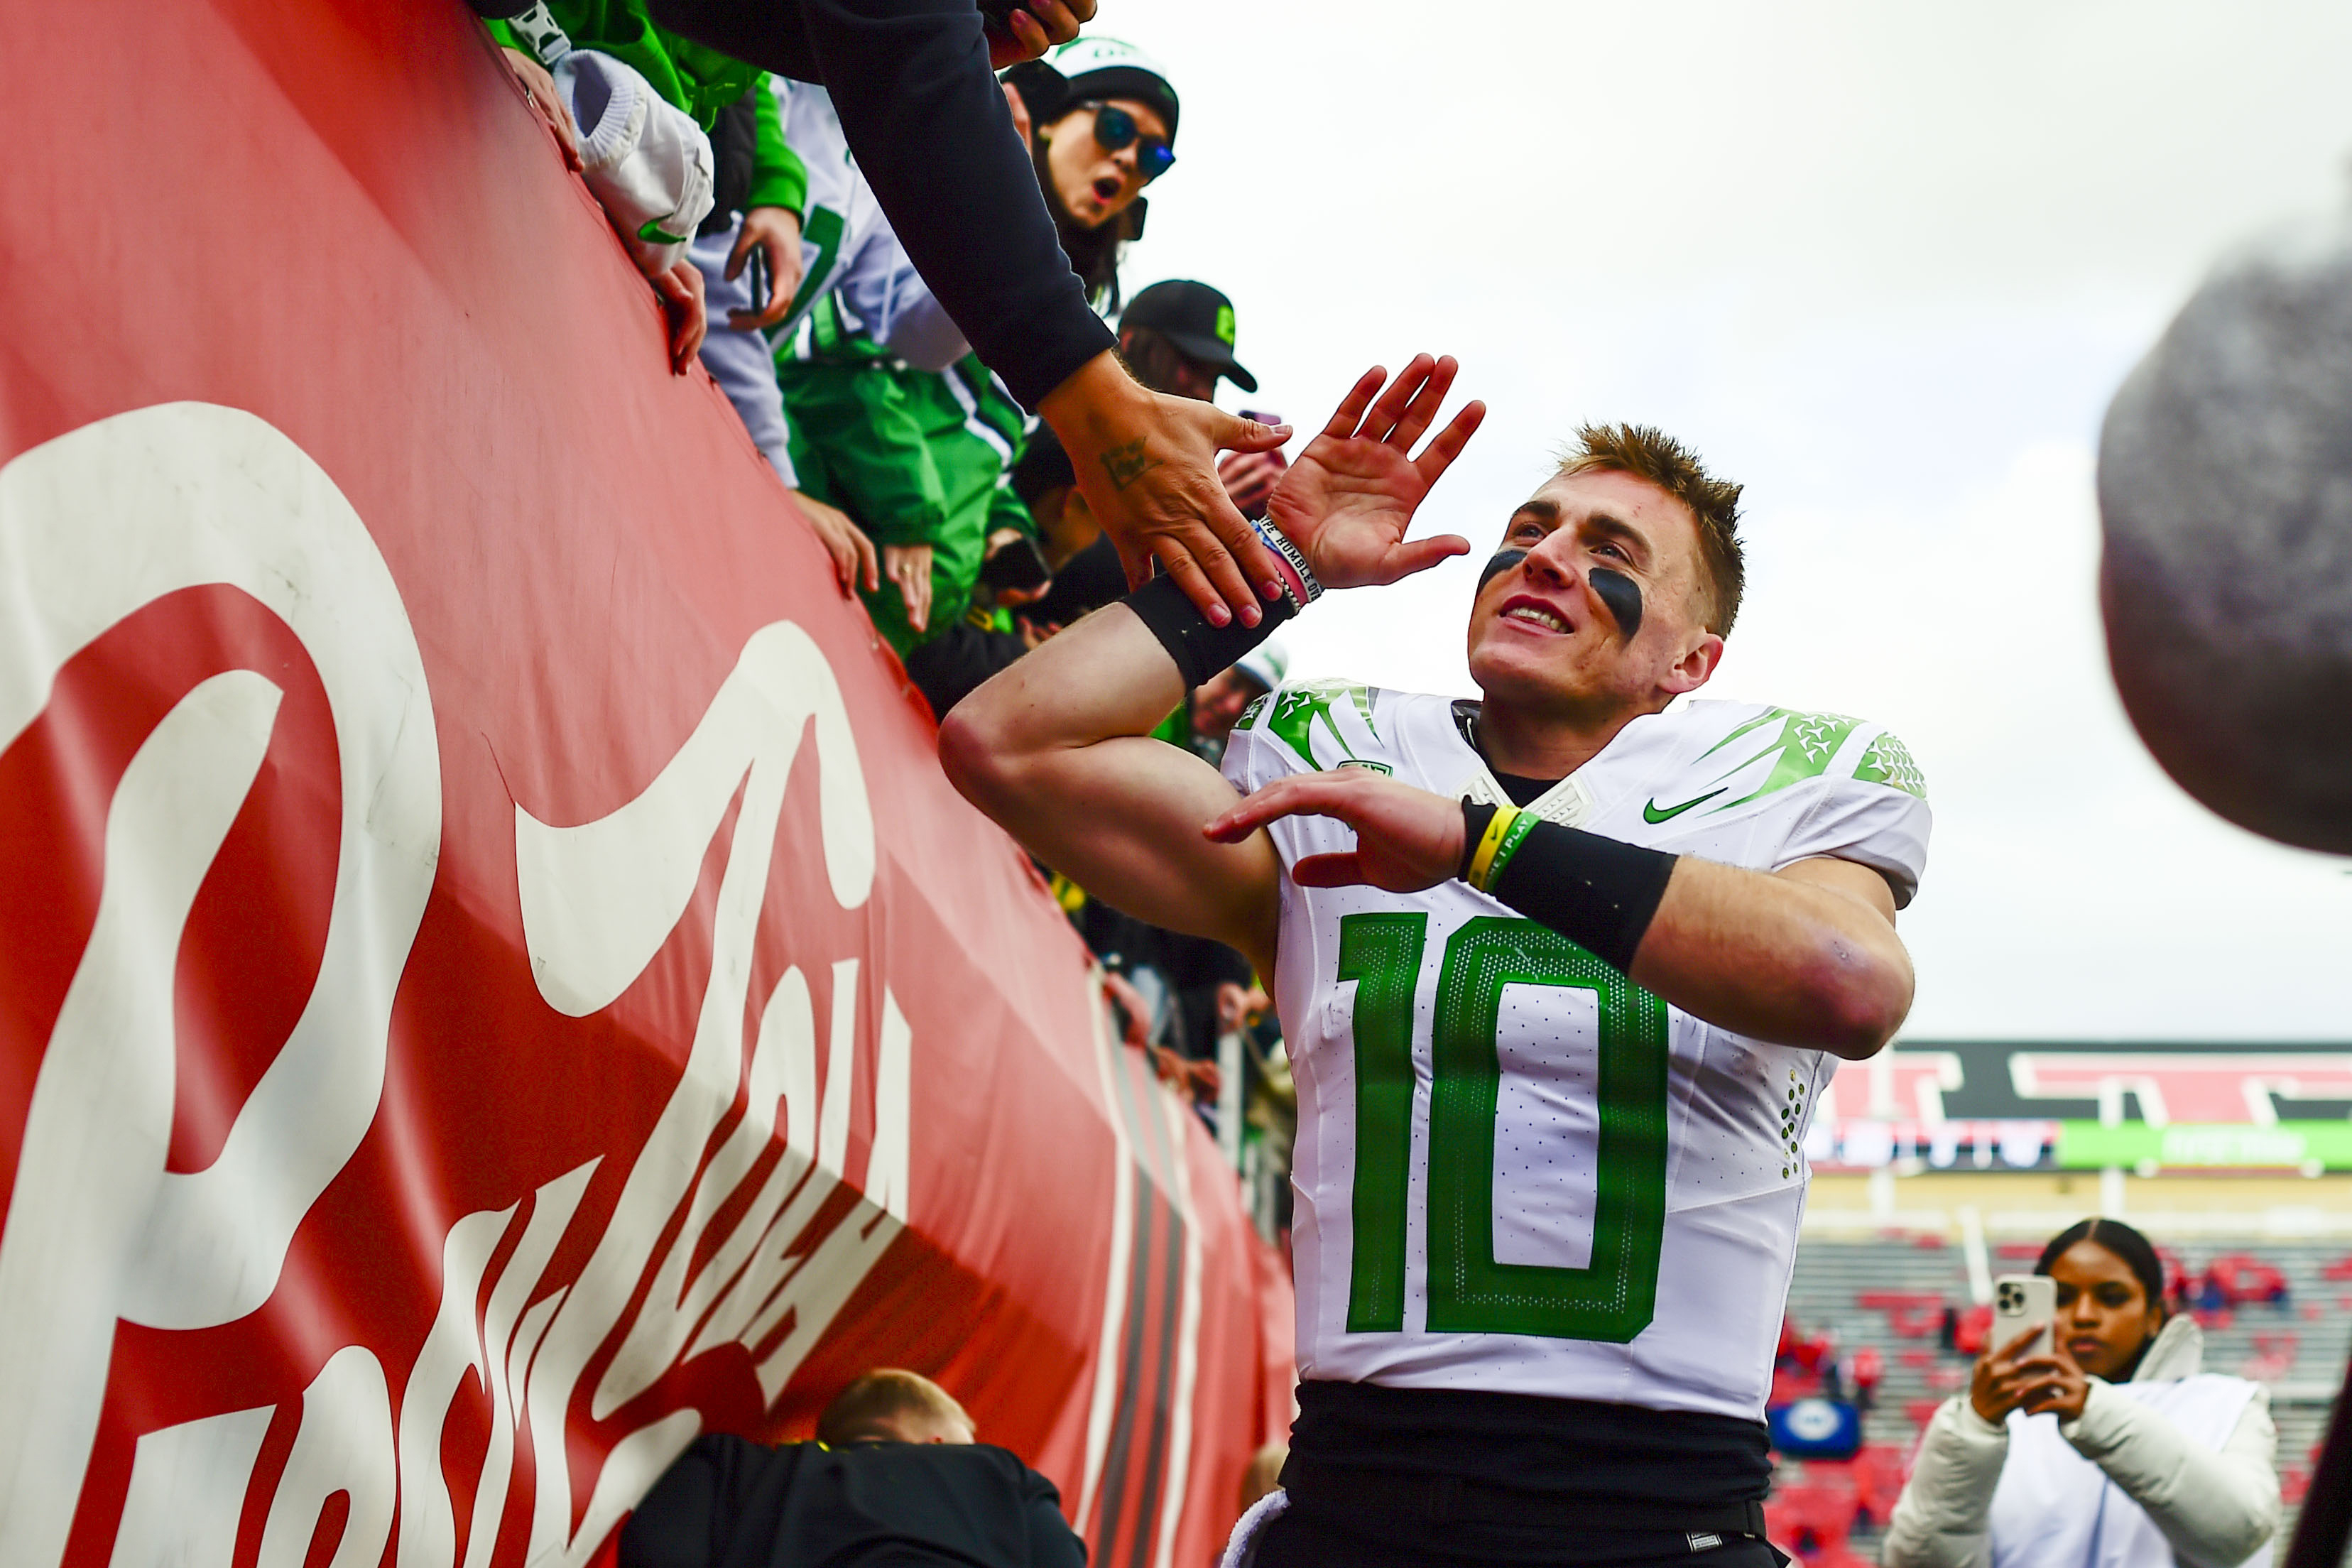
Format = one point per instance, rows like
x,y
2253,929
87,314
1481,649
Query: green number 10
x,y
1470,1292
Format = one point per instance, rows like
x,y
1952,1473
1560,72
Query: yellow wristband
x,y
1483,858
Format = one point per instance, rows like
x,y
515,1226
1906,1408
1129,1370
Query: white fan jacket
x,y
2174,1467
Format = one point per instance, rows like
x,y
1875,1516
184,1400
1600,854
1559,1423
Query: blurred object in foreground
x,y
2225,488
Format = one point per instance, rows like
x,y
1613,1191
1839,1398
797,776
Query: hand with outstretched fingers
x,y
1350,496
1406,838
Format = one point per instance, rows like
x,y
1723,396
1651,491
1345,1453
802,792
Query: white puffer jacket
x,y
2215,1508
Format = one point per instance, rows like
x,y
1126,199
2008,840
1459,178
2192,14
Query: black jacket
x,y
954,664
731,1503
924,115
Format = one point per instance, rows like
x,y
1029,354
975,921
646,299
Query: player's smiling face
x,y
1549,632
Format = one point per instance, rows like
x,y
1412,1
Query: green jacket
x,y
916,457
694,77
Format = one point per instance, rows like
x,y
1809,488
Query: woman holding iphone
x,y
2091,1438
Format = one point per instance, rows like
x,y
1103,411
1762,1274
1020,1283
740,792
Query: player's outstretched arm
x,y
1056,748
1805,956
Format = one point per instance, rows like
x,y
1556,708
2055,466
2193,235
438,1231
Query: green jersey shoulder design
x,y
1292,716
1778,747
1516,1170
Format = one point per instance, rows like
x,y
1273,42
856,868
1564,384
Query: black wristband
x,y
1599,892
1199,649
1475,815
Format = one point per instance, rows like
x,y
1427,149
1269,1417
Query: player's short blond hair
x,y
880,1401
1648,453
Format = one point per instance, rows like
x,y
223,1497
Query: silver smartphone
x,y
2021,1301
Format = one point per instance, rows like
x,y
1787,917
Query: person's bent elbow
x,y
2241,1525
1857,1000
972,752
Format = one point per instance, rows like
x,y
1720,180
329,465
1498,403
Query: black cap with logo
x,y
1197,319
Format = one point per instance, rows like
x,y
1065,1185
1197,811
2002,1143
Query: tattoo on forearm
x,y
1128,462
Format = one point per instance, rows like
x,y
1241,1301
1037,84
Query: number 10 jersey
x,y
1515,1170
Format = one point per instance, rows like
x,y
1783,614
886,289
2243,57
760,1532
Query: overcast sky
x,y
1884,264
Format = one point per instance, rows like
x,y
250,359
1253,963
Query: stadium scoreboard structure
x,y
2000,1105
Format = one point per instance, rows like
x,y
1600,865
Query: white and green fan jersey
x,y
1516,1170
849,253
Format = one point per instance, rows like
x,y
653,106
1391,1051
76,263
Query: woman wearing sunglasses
x,y
916,83
893,420
1103,119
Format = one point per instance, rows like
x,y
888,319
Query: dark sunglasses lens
x,y
1154,158
1114,128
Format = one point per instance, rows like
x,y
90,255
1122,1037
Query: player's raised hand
x,y
1406,838
1350,496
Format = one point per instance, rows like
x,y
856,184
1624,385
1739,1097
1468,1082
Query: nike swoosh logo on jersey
x,y
1653,815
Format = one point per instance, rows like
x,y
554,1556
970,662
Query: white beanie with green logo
x,y
1107,68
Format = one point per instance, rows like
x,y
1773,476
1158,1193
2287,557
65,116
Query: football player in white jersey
x,y
1562,972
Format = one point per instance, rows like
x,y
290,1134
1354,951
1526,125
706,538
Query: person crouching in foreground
x,y
895,1479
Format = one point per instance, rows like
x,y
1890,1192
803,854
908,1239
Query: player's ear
x,y
1697,667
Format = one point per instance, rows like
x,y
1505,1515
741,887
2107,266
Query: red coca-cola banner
x,y
492,980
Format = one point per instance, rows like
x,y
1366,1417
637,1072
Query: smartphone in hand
x,y
2021,1302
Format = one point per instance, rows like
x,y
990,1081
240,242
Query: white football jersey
x,y
1516,1170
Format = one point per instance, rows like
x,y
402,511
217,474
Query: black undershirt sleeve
x,y
1199,649
1599,892
929,125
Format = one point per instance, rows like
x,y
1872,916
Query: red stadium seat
x,y
1813,1518
1913,1314
2274,1357
1878,1471
1790,1384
